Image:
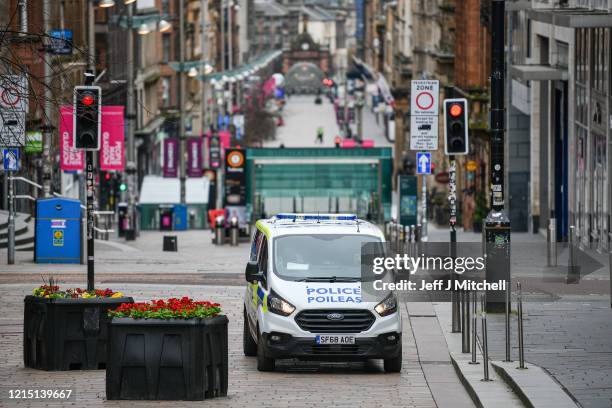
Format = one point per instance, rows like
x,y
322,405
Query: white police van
x,y
303,299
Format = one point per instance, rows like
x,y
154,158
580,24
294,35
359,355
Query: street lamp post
x,y
181,78
497,223
131,120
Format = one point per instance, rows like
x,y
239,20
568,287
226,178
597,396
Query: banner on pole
x,y
194,157
112,147
171,156
70,158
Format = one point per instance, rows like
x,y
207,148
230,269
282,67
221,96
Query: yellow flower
x,y
117,295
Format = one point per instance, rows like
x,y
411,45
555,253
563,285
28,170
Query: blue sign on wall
x,y
10,159
61,42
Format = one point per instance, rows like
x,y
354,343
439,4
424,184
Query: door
x,y
519,201
561,161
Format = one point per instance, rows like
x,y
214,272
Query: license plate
x,y
325,339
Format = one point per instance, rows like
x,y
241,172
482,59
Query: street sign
x,y
61,42
423,163
10,159
13,107
424,115
34,142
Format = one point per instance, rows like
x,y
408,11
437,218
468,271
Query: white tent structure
x,y
159,193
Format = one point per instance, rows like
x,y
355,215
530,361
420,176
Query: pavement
x,y
567,332
302,118
567,326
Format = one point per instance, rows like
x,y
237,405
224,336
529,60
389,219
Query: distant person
x,y
320,132
282,146
337,141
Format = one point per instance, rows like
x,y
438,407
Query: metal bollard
x,y
474,326
219,230
507,322
465,321
485,345
412,240
552,242
234,231
573,270
520,326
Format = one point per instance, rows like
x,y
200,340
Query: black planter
x,y
154,359
66,334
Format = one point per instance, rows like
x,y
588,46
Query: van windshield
x,y
323,257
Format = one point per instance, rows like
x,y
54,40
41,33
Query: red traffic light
x,y
107,176
88,100
456,110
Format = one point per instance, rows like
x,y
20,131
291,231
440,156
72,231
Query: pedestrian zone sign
x,y
424,100
423,163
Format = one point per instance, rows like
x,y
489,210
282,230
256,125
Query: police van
x,y
304,300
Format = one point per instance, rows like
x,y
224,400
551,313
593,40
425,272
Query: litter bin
x,y
165,217
180,217
122,210
58,231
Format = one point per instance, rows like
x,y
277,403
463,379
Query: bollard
x,y
520,326
485,345
398,238
474,326
465,321
507,323
170,243
573,270
412,240
234,231
552,242
219,230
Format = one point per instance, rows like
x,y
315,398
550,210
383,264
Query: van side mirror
x,y
251,272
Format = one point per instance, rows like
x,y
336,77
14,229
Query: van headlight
x,y
278,305
387,306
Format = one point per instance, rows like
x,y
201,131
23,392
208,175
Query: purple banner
x,y
194,157
171,155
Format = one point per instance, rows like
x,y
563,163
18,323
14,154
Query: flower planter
x,y
66,334
173,359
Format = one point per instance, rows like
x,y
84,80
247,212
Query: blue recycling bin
x,y
58,231
180,217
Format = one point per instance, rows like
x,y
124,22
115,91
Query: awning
x,y
364,69
572,18
160,190
538,73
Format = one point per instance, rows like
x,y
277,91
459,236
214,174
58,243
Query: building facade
x,y
561,85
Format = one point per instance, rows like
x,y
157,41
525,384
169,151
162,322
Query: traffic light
x,y
456,126
87,117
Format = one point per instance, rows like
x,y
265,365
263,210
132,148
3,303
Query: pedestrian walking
x,y
320,132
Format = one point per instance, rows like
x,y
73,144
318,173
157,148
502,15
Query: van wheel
x,y
248,342
394,365
263,363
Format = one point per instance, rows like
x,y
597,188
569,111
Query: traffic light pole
x,y
497,223
89,183
452,199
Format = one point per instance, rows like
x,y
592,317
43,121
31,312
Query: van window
x,y
300,257
255,245
263,260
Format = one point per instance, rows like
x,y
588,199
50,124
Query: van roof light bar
x,y
316,217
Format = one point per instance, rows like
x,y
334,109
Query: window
x,y
165,6
263,261
166,47
255,245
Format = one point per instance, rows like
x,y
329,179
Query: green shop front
x,y
319,180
